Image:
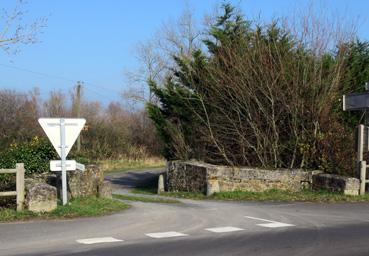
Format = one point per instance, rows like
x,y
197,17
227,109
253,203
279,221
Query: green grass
x,y
306,195
146,199
279,195
79,207
120,165
187,195
269,195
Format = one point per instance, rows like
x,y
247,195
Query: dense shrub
x,y
35,154
261,95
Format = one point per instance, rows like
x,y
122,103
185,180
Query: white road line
x,y
271,224
223,229
98,240
165,234
254,218
276,225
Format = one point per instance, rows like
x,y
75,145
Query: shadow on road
x,y
135,179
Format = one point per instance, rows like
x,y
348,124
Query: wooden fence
x,y
19,193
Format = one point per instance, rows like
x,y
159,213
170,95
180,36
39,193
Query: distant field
x,y
129,164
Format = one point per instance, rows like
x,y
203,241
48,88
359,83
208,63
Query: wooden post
x,y
360,143
362,177
20,186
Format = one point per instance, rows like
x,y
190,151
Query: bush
x,y
35,155
261,95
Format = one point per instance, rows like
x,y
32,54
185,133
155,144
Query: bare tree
x,y
55,106
13,31
155,56
18,116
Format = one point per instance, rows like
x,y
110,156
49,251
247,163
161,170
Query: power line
x,y
58,77
37,73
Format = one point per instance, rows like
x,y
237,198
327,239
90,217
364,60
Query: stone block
x,y
161,184
105,190
336,183
212,187
85,183
41,197
186,176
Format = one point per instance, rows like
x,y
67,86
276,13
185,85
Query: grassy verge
x,y
188,195
129,164
269,195
146,199
279,195
79,207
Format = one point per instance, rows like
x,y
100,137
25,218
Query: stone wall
x,y
202,177
85,183
336,183
186,176
42,190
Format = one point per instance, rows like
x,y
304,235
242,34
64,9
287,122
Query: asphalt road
x,y
198,228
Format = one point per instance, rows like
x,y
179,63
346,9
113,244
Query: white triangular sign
x,y
73,127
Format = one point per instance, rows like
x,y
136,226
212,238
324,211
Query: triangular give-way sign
x,y
52,126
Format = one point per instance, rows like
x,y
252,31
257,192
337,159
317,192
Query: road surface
x,y
197,228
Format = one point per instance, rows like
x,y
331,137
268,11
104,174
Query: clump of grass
x,y
146,199
79,207
7,214
129,164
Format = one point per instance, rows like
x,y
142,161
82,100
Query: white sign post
x,y
63,132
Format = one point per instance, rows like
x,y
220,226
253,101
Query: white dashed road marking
x,y
226,229
271,224
223,229
98,240
275,225
165,234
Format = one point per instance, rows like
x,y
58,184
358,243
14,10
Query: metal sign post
x,y
62,133
63,161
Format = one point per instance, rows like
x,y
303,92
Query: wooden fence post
x,y
20,186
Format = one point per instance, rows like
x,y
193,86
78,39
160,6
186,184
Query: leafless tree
x,y
155,56
13,31
18,116
55,106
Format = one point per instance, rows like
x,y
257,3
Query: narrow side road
x,y
197,228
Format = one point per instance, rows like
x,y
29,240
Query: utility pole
x,y
78,110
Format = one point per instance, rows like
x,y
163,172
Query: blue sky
x,y
94,40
